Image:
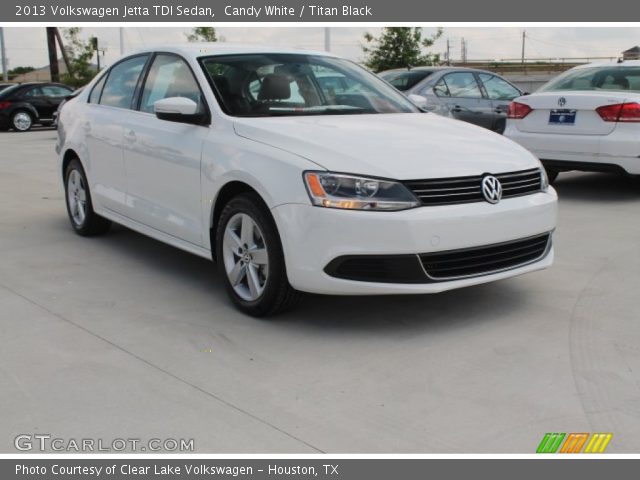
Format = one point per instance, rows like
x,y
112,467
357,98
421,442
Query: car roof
x,y
437,69
625,63
203,49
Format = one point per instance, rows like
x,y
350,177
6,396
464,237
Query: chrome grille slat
x,y
456,190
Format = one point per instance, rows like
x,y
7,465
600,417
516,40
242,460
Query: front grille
x,y
377,268
447,191
484,260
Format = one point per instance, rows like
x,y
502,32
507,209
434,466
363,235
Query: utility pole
x,y
53,54
448,52
65,57
3,52
327,39
121,31
524,36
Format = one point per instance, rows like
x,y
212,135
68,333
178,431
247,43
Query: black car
x,y
5,85
475,96
27,104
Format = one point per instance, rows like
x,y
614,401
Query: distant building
x,y
631,54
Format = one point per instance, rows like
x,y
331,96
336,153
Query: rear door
x,y
463,96
578,109
36,98
500,92
109,104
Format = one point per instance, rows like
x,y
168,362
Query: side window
x,y
55,92
169,76
122,81
440,89
497,88
94,96
33,92
462,85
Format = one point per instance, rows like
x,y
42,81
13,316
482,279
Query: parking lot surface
x,y
121,336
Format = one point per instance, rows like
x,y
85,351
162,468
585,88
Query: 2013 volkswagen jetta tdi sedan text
x,y
295,182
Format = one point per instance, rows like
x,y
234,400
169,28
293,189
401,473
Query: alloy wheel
x,y
77,197
245,257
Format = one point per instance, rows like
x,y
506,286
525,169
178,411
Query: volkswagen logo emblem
x,y
491,189
562,102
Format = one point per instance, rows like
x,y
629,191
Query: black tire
x,y
278,295
14,117
92,224
552,174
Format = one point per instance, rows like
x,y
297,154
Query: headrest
x,y
274,87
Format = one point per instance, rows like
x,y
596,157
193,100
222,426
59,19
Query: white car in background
x,y
293,182
587,118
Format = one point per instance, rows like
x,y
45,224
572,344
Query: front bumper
x,y
312,237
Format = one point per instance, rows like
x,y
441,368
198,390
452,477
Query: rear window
x,y
405,80
597,78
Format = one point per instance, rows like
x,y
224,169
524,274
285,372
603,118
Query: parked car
x,y
24,105
71,96
240,155
474,96
587,119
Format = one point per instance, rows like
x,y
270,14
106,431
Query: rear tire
x,y
84,220
250,258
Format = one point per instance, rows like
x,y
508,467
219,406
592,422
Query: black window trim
x,y
143,82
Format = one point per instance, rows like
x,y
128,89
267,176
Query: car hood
x,y
402,146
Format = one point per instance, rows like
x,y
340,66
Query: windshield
x,y
612,78
404,80
262,85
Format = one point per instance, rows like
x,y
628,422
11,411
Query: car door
x,y
54,95
162,157
37,100
463,96
109,103
500,92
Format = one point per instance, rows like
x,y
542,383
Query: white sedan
x,y
291,182
586,119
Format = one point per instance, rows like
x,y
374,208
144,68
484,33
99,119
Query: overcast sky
x,y
27,45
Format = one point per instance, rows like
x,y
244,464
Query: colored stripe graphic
x,y
598,443
574,443
550,442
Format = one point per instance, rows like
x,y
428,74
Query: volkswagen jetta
x,y
292,183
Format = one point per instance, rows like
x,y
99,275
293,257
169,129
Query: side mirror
x,y
178,109
419,101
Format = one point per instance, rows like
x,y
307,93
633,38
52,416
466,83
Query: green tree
x,y
79,53
19,71
202,34
399,47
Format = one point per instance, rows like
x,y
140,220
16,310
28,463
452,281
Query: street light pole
x,y
3,53
327,39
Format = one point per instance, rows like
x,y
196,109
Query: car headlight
x,y
544,180
337,190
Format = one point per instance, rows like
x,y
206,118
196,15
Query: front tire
x,y
21,121
552,174
250,258
83,219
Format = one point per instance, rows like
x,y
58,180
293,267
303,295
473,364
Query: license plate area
x,y
562,117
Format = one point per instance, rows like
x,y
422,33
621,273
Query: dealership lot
x,y
124,337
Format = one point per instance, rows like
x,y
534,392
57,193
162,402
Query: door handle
x,y
500,110
130,136
456,109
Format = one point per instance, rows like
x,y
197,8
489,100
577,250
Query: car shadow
x,y
412,313
597,187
